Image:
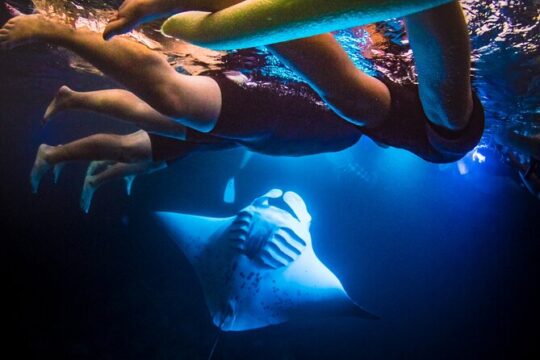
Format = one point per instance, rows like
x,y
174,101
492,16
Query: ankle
x,y
71,99
48,154
92,181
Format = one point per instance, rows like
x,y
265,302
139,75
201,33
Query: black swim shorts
x,y
407,127
170,149
275,118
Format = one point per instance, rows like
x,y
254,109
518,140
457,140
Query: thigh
x,y
137,145
440,42
324,64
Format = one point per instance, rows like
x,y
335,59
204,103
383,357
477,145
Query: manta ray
x,y
258,268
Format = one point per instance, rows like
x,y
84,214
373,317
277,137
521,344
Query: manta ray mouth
x,y
281,204
268,244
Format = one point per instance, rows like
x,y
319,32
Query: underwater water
x,y
447,256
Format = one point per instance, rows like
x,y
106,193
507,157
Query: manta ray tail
x,y
214,345
357,311
347,308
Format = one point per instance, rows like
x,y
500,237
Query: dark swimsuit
x,y
291,120
268,118
407,127
171,150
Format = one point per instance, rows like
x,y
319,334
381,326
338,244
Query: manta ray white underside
x,y
258,268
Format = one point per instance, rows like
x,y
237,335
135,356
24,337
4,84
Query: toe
x,y
34,182
86,200
57,170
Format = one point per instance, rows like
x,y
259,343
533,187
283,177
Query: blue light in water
x,y
245,159
229,196
462,167
478,157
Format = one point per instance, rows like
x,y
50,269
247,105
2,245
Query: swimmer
x,y
529,146
389,114
236,24
439,120
292,125
117,156
102,172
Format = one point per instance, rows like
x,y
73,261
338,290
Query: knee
x,y
170,103
130,149
92,181
449,110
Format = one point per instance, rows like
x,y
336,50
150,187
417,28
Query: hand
x,y
136,12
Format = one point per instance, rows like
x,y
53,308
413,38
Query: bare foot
x,y
57,171
25,29
97,166
91,182
88,190
41,166
62,101
129,183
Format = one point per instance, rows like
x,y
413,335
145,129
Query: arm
x,y
262,22
532,183
514,161
136,12
529,145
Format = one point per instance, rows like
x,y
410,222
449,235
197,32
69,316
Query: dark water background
x,y
449,262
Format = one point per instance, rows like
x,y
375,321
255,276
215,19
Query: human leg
x,y
354,95
441,47
100,173
118,103
193,101
134,147
324,64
